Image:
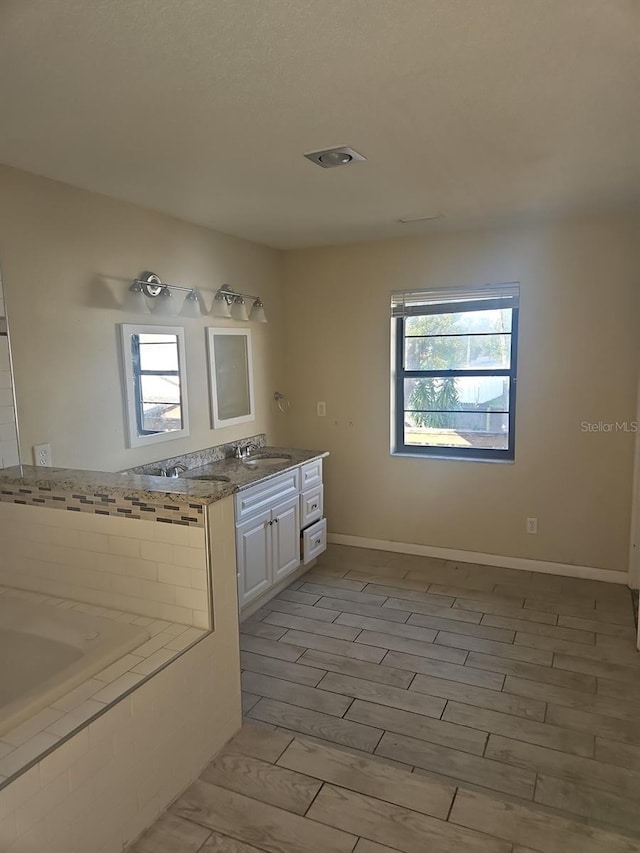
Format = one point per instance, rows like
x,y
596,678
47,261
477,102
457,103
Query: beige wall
x,y
67,256
578,359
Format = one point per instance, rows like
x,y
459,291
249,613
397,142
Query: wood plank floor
x,y
400,703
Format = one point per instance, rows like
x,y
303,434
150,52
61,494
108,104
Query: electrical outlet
x,y
42,455
532,525
321,410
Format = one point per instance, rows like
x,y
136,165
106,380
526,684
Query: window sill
x,y
450,457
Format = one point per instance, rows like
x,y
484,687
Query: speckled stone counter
x,y
173,500
241,474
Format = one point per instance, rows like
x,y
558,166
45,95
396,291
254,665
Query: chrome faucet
x,y
176,470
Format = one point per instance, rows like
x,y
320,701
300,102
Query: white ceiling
x,y
204,108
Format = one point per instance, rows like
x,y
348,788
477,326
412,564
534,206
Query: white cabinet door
x,y
285,537
253,545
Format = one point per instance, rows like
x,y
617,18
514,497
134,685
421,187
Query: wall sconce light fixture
x,y
230,303
227,302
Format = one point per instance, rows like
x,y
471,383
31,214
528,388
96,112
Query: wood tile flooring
x,y
398,703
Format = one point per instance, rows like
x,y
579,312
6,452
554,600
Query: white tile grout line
x,y
175,638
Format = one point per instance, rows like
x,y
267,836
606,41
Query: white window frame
x,y
129,382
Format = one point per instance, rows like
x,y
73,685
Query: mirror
x,y
9,454
230,376
155,383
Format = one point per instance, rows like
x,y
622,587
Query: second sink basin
x,y
266,461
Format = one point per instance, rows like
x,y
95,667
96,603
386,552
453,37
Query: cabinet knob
x,y
276,520
314,506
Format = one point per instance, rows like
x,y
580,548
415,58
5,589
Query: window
x,y
455,372
155,383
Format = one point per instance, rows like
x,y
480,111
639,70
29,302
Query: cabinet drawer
x,y
311,505
265,495
314,540
310,474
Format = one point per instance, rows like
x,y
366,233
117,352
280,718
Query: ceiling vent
x,y
331,157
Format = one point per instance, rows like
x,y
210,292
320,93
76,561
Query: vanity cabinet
x,y
279,525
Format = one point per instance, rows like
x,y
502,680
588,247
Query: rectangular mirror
x,y
230,376
155,383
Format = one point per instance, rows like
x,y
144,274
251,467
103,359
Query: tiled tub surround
x,y
148,649
110,779
155,570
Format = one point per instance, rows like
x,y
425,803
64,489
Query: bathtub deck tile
x,y
68,722
34,747
77,696
124,664
37,723
157,642
115,689
153,662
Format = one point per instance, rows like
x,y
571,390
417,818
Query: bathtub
x,y
46,650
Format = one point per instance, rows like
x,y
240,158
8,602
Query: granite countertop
x,y
241,474
160,489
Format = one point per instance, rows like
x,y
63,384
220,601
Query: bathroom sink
x,y
266,461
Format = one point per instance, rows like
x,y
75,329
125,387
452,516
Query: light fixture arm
x,y
227,302
152,285
228,293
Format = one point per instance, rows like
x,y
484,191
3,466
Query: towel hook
x,y
283,404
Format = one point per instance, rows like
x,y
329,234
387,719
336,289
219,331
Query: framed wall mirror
x,y
230,376
155,381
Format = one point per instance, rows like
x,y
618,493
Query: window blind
x,y
407,303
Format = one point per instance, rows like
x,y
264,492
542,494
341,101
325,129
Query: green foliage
x,y
457,348
434,394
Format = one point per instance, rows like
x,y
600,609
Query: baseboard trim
x,y
520,563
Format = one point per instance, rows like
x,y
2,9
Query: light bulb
x,y
135,301
191,306
258,314
164,304
220,307
239,309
